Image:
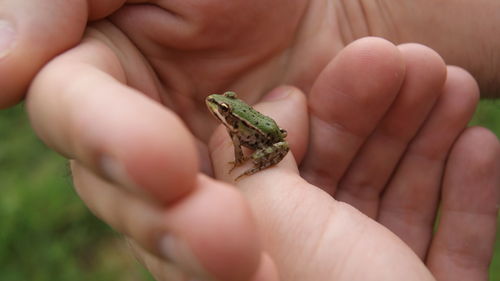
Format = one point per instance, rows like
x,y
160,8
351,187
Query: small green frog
x,y
249,128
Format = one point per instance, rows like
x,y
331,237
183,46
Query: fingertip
x,y
9,38
210,233
136,143
375,53
162,160
477,151
288,106
358,85
217,224
114,130
31,36
32,33
461,81
459,96
463,244
428,64
472,178
483,140
267,270
281,92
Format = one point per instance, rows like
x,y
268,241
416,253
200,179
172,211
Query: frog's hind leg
x,y
266,157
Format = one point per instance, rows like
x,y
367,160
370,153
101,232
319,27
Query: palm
x,y
197,48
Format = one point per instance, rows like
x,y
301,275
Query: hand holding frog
x,y
190,232
117,133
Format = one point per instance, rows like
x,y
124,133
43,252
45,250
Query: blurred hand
x,y
288,41
101,103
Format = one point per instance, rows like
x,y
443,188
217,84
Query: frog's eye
x,y
231,95
224,107
284,133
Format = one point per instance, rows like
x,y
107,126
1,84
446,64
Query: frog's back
x,y
260,121
254,120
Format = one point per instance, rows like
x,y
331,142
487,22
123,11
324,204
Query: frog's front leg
x,y
266,157
239,158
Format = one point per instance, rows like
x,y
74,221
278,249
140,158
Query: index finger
x,y
80,107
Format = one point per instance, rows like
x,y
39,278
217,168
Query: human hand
x,y
304,76
397,164
126,213
307,232
303,35
403,156
208,44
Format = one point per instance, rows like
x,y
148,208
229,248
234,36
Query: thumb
x,y
33,32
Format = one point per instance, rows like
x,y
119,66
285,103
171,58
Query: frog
x,y
251,129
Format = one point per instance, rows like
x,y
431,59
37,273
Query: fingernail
x,y
7,38
279,93
115,171
179,253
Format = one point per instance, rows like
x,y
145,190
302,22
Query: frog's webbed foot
x,y
237,163
266,157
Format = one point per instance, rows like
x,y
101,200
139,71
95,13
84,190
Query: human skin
x,y
461,30
132,131
179,67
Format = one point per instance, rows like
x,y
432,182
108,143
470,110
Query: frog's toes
x,y
239,177
235,164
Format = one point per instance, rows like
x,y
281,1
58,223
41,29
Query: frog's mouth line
x,y
221,118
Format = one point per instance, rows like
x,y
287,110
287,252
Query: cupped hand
x,y
100,104
190,47
312,235
405,152
118,134
282,41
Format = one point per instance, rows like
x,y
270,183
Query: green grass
x,y
488,115
46,233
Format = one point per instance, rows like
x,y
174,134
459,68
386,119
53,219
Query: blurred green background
x,y
46,233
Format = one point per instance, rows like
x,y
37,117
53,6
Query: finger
x,y
373,166
197,234
162,270
410,201
463,246
159,268
287,106
79,106
346,103
307,232
267,270
33,32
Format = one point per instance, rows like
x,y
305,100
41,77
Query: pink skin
x,y
127,105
